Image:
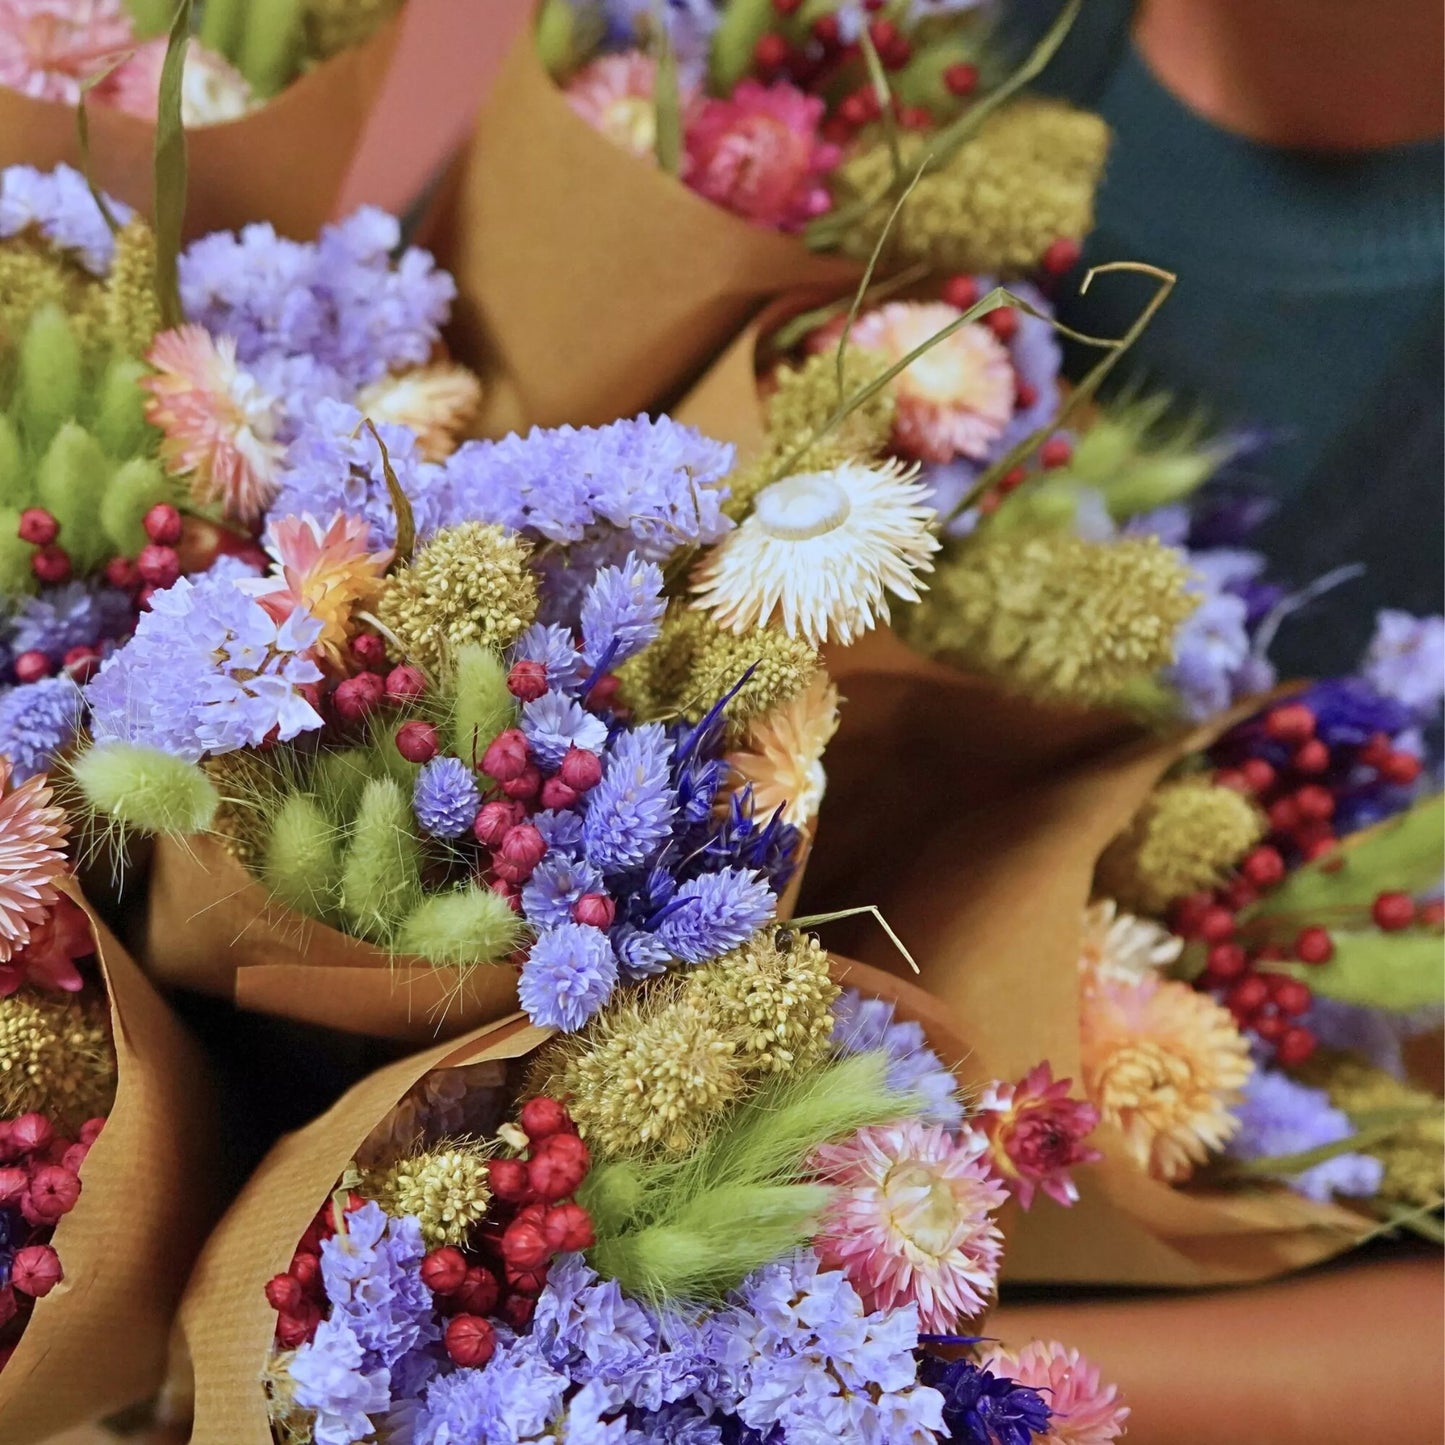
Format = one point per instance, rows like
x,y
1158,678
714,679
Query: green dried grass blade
x,y
170,169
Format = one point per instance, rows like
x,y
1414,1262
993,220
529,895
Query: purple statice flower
x,y
1228,516
644,486
372,1274
208,671
863,1025
1211,649
556,649
981,1408
1376,1035
330,1379
1280,1116
38,720
621,612
629,813
334,465
1169,524
683,1424
569,974
445,797
555,722
516,1397
690,26
75,614
59,205
229,566
556,884
1406,661
797,1352
561,830
715,912
1349,712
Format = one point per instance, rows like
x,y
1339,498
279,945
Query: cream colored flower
x,y
782,759
1118,945
437,402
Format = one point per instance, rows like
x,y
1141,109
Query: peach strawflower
x,y
783,758
437,402
614,95
958,397
32,857
328,573
1164,1065
1123,946
759,154
49,47
219,425
910,1221
212,89
1082,1409
1036,1134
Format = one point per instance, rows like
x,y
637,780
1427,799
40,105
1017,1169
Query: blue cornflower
x,y
1277,1115
1348,712
715,912
329,1377
515,1397
556,884
864,1025
555,648
639,954
739,840
622,611
208,671
72,615
445,797
981,1408
569,974
37,720
59,204
561,831
555,722
629,813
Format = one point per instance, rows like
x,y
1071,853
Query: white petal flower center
x,y
800,508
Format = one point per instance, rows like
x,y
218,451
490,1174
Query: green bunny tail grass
x,y
50,374
145,789
302,863
743,24
469,926
381,874
339,779
480,705
134,488
15,479
270,43
566,35
118,419
71,482
716,1244
613,1194
16,577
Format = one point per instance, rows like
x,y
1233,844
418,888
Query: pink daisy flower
x,y
614,95
1036,1134
758,153
910,1221
957,398
32,857
212,89
1083,1410
219,425
48,47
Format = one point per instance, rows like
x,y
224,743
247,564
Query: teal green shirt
x,y
1309,305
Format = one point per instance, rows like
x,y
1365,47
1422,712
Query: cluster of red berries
x,y
499,1274
39,1186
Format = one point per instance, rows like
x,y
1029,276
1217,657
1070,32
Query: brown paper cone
x,y
214,929
285,162
98,1341
592,285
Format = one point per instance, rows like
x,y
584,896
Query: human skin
x,y
1335,75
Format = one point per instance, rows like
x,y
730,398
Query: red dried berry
x,y
358,696
596,910
1003,321
80,663
568,1228
525,785
444,1270
543,1116
162,524
35,1270
524,1246
1314,945
1056,452
74,1157
960,291
51,565
31,666
13,1183
581,769
31,1133
495,820
771,52
478,1292
52,1193
1269,1026
556,795
38,527
306,1270
1294,1046
961,79
295,1327
284,1293
1283,815
527,680
558,1166
1432,915
417,741
1247,996
158,566
1316,804
369,650
1062,255
1291,723
527,1281
1393,911
1217,925
120,572
1239,893
1226,962
1311,757
508,1179
518,1309
603,692
1400,768
522,849
405,683
470,1340
1186,915
1375,751
1289,995
506,756
1263,866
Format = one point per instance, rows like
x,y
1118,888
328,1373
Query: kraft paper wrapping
x,y
284,162
591,285
228,1325
214,929
98,1341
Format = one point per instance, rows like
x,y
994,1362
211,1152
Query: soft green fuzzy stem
x,y
49,376
15,479
469,926
71,482
271,44
16,578
339,781
145,789
302,866
743,24
381,875
222,22
613,1194
132,491
119,422
481,706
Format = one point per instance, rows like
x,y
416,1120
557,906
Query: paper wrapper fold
x,y
592,285
98,1341
284,162
213,929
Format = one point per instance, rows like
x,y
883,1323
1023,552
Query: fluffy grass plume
x,y
302,863
145,789
381,873
468,926
119,420
50,373
70,483
480,705
338,781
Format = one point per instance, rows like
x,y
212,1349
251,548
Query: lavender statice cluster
x,y
862,1025
59,204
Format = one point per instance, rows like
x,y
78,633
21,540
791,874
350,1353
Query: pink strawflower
x,y
1036,1134
48,959
1082,1410
758,153
957,399
32,858
910,1221
212,89
219,425
49,47
614,95
327,573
